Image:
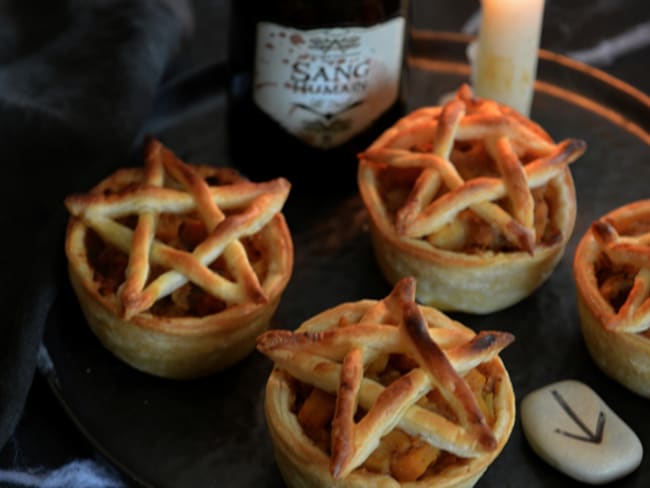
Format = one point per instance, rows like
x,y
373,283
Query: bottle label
x,y
325,86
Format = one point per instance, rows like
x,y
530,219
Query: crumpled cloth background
x,y
77,80
82,473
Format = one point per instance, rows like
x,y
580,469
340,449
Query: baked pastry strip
x,y
163,200
515,180
137,269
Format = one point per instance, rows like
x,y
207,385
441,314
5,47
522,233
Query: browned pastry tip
x,y
488,340
604,231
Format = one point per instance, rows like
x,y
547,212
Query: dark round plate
x,y
212,432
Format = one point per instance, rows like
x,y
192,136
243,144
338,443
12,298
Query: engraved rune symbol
x,y
595,437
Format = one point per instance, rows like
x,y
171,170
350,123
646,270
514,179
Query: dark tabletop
x,y
620,29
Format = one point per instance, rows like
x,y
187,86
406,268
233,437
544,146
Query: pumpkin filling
x,y
400,455
469,233
616,280
183,232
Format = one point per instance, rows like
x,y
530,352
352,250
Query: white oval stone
x,y
569,426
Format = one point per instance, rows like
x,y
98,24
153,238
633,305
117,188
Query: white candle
x,y
505,64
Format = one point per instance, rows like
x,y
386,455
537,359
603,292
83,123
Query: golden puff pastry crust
x,y
386,393
612,271
178,267
472,199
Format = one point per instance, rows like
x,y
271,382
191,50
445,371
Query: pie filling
x,y
182,232
615,280
468,233
400,455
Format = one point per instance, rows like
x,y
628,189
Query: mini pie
x,y
179,267
471,198
612,271
386,393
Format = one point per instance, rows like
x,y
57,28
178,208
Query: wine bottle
x,y
311,84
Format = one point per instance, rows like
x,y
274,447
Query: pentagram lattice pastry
x,y
612,272
379,393
178,267
472,198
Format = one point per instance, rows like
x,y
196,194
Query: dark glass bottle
x,y
311,84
